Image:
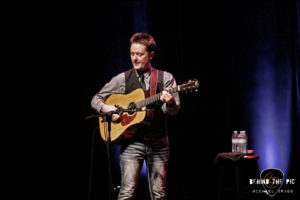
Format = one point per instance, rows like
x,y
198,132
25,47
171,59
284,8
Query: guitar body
x,y
123,127
119,128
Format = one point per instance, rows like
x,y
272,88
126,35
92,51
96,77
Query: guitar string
x,y
153,98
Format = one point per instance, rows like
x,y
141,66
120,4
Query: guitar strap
x,y
153,81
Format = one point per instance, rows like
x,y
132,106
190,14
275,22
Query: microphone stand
x,y
107,117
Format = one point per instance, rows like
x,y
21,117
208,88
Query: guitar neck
x,y
154,98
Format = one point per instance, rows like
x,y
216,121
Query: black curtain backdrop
x,y
214,41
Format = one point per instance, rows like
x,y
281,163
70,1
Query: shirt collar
x,y
145,73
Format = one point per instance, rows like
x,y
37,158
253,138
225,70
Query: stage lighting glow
x,y
271,110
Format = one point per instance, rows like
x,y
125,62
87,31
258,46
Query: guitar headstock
x,y
191,85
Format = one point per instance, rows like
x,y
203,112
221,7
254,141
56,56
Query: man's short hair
x,y
145,39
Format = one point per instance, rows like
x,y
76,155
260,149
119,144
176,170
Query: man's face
x,y
140,57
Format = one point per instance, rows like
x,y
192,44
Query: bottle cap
x,y
242,133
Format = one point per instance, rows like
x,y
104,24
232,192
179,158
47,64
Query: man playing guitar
x,y
150,141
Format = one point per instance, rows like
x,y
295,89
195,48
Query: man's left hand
x,y
166,97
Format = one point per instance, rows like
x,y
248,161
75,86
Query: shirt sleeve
x,y
170,82
115,86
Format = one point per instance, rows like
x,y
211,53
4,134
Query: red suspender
x,y
153,81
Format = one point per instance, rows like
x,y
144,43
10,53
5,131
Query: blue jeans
x,y
156,155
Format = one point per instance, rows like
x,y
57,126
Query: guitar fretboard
x,y
154,98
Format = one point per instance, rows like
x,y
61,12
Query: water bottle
x,y
243,142
234,138
238,145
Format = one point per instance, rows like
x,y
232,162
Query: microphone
x,y
130,111
118,111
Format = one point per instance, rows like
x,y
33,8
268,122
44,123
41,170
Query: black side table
x,y
234,170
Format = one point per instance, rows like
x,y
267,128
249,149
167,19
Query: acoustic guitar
x,y
134,104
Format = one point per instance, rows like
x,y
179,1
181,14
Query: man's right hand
x,y
108,108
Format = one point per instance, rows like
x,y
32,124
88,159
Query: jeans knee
x,y
127,192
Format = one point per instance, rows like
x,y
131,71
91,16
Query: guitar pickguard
x,y
127,119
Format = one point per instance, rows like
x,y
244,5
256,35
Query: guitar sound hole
x,y
132,107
